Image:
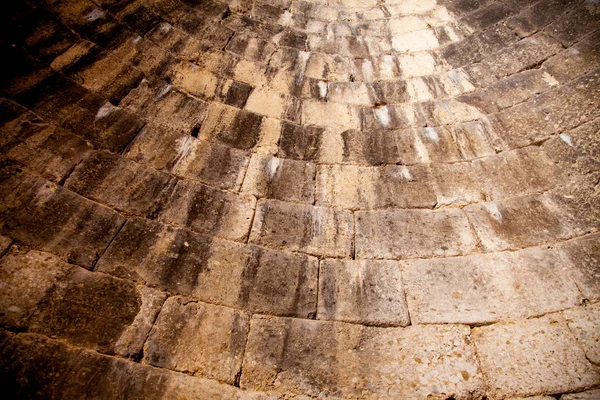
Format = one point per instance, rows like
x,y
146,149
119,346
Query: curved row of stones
x,y
356,199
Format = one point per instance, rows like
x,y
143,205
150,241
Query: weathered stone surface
x,y
280,178
314,230
589,395
412,234
576,60
331,115
581,21
354,187
236,128
33,364
537,16
207,210
338,359
584,256
120,183
366,292
583,323
479,289
52,218
198,338
538,356
213,270
300,143
5,243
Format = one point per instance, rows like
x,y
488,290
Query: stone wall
x,y
237,199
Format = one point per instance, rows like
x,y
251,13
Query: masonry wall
x,y
300,198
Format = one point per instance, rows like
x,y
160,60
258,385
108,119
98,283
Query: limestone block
x,y
266,102
457,184
480,289
583,323
574,61
536,17
538,356
581,21
583,256
488,15
281,179
195,80
206,210
120,183
314,230
366,292
213,270
415,41
588,395
300,142
347,360
330,115
401,234
355,93
54,219
354,187
198,338
239,129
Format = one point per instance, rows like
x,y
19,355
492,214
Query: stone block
x,y
211,211
537,16
583,323
281,179
314,230
400,234
198,338
239,129
583,256
538,356
120,183
322,358
330,115
587,395
365,292
457,184
195,80
355,187
213,270
488,15
575,61
480,289
579,22
300,142
51,218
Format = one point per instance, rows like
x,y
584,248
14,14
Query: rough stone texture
x,y
313,230
589,395
198,338
338,359
584,322
481,289
365,292
412,234
539,355
584,255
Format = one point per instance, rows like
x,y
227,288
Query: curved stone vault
x,y
358,199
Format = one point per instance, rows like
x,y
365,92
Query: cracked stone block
x,y
313,230
480,289
198,338
584,323
354,187
538,356
213,270
280,179
86,308
206,210
51,218
400,234
33,364
583,255
323,358
365,292
120,183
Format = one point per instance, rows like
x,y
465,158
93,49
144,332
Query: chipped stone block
x,y
354,187
51,218
364,292
280,178
583,323
198,338
347,360
120,183
538,356
583,255
314,230
480,289
400,234
207,210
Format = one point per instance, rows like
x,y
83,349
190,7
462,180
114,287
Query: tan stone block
x,y
198,338
588,395
236,128
266,102
584,323
538,356
355,93
330,115
480,289
314,230
401,234
321,358
195,80
366,292
415,41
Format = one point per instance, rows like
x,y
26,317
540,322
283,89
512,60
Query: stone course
x,y
299,199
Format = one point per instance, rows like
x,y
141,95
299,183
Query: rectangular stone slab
x,y
322,358
198,338
400,234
